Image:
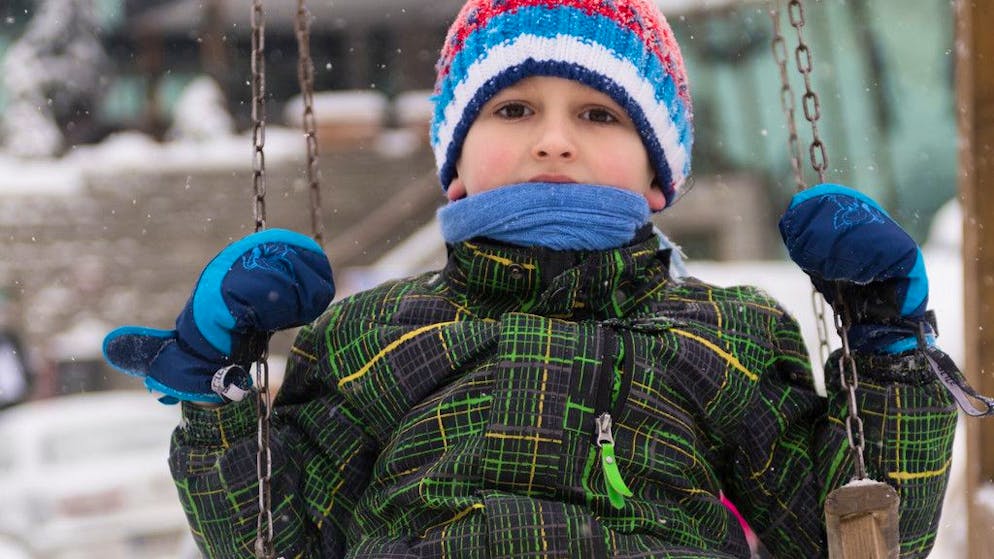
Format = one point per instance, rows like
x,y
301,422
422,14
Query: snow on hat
x,y
623,48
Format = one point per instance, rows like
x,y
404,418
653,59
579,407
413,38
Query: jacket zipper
x,y
627,371
617,490
605,385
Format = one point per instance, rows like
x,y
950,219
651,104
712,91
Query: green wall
x,y
889,132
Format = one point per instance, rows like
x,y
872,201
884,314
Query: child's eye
x,y
603,116
513,110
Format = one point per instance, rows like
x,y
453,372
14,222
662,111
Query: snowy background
x,y
46,184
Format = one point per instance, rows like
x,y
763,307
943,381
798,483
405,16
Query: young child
x,y
552,391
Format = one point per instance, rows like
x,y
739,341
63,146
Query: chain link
x,y
259,114
849,379
264,458
818,154
305,74
821,323
264,461
788,106
811,103
787,98
264,548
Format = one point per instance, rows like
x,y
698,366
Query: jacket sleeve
x,y
790,461
321,460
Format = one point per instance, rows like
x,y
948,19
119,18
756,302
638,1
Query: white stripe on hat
x,y
566,49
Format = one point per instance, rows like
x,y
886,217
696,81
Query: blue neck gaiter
x,y
551,215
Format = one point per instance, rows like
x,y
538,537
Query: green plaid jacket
x,y
453,415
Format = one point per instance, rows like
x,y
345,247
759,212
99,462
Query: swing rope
x,y
264,548
862,516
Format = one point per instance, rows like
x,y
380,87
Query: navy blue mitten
x,y
858,256
267,281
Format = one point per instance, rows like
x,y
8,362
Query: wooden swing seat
x,y
862,521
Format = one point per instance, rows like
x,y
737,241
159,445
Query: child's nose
x,y
554,141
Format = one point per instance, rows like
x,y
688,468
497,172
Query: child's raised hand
x,y
848,244
265,282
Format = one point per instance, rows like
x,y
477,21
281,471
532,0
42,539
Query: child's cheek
x,y
501,166
616,171
500,154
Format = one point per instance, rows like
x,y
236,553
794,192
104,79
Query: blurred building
x,y
123,243
884,74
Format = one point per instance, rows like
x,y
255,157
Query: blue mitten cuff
x,y
888,338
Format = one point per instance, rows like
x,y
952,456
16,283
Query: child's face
x,y
545,129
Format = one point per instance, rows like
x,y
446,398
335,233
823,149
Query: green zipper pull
x,y
616,488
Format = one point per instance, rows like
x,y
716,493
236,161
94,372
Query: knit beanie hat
x,y
623,48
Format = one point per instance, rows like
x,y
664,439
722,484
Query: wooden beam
x,y
975,110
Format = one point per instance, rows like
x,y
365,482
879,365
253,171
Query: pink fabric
x,y
749,534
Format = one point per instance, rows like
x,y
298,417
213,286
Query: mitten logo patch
x,y
270,257
852,212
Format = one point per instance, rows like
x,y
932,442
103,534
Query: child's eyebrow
x,y
512,90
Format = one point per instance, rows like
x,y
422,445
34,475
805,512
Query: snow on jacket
x,y
453,415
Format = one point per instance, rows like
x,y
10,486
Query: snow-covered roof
x,y
129,152
353,106
674,7
414,106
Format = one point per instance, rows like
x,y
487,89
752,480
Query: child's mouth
x,y
552,178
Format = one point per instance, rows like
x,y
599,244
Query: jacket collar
x,y
496,278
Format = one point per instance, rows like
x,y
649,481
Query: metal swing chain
x,y
259,114
264,548
264,465
794,148
849,378
818,153
787,99
305,73
810,100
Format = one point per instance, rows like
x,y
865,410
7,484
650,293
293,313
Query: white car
x,y
87,476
